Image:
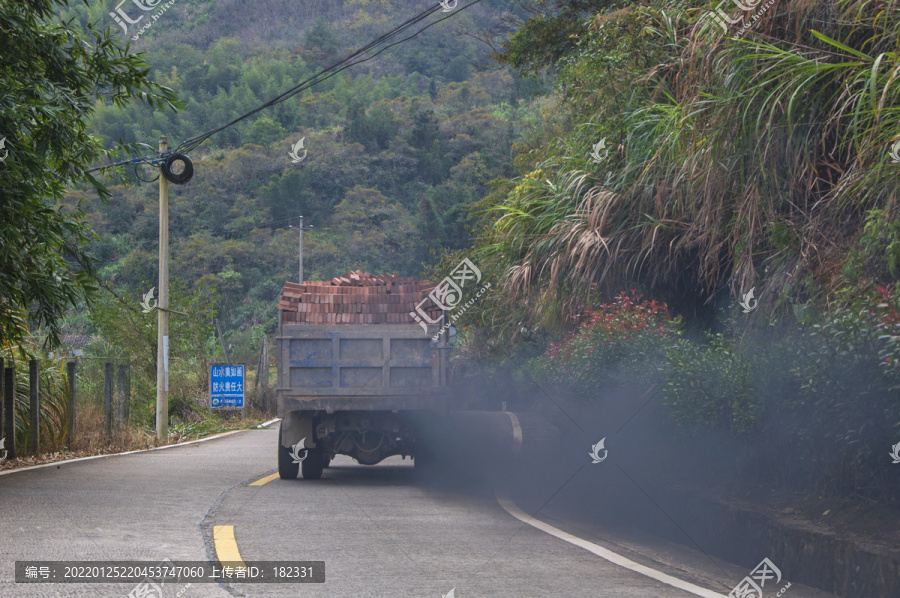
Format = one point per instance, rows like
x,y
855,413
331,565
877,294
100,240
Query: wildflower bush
x,y
886,314
616,343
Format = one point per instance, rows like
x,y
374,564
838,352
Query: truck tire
x,y
287,469
312,466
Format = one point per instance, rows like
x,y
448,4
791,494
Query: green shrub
x,y
881,243
817,404
848,408
623,342
711,386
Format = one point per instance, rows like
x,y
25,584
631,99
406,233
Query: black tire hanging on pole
x,y
186,174
287,469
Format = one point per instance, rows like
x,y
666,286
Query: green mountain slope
x,y
397,148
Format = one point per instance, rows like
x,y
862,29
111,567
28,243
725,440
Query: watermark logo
x,y
595,451
149,588
448,294
146,305
749,303
752,585
146,589
295,451
448,6
124,20
3,445
895,152
450,594
121,18
3,147
145,6
895,452
599,151
295,150
720,18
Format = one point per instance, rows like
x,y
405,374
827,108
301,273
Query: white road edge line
x,y
158,448
517,433
510,507
269,423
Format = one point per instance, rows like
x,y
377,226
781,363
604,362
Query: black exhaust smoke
x,y
483,441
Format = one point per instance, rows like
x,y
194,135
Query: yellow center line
x,y
265,480
226,546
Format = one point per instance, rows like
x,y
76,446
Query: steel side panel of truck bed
x,y
352,367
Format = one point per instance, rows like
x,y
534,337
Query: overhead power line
x,y
357,57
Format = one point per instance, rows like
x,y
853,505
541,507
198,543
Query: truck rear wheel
x,y
312,466
287,469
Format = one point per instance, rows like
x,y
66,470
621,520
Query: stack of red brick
x,y
355,298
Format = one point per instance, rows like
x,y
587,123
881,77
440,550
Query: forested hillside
x,y
398,148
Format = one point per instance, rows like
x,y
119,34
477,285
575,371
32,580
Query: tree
x,y
459,69
377,235
375,129
265,131
51,75
550,33
321,39
424,129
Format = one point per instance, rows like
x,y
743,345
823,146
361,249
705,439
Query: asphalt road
x,y
380,531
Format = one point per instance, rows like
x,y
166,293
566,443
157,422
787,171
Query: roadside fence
x,y
27,413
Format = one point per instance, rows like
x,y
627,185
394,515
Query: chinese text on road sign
x,y
226,386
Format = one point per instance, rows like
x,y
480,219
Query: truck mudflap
x,y
295,426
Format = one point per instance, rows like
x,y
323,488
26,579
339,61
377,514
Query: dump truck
x,y
362,369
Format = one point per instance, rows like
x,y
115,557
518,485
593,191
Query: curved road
x,y
380,532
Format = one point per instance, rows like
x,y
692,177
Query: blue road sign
x,y
226,386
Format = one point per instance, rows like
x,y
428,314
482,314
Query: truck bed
x,y
360,367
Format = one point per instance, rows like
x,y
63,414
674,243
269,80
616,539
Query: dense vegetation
x,y
729,163
811,407
49,78
695,165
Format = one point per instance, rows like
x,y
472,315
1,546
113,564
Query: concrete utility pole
x,y
34,438
162,339
301,247
222,341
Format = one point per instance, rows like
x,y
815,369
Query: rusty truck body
x,y
362,390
